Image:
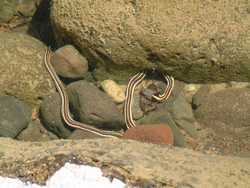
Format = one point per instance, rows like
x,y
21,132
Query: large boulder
x,y
22,70
198,42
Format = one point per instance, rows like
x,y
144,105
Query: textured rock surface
x,y
15,115
151,133
196,41
22,71
134,162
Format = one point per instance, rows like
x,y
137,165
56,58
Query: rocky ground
x,y
146,165
207,111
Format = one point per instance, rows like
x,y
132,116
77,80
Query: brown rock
x,y
69,63
152,133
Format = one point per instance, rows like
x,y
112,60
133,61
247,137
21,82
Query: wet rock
x,y
115,91
69,63
94,107
152,133
15,116
21,56
51,116
36,132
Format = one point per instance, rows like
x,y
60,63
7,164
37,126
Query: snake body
x,y
65,113
132,84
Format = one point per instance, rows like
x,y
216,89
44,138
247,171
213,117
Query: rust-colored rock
x,y
152,133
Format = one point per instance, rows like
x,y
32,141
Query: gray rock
x,y
51,116
195,42
136,109
69,63
226,109
180,110
36,132
15,115
94,107
183,115
22,70
200,95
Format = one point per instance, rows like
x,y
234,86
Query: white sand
x,y
69,176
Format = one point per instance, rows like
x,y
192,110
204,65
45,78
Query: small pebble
x,y
115,91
